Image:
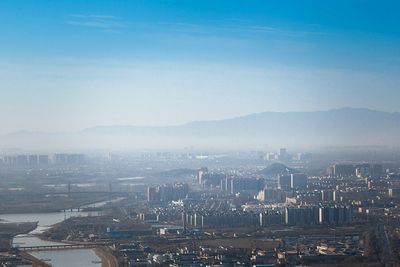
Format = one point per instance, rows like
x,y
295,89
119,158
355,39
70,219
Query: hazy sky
x,y
67,65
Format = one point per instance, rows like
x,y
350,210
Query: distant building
x,y
149,217
33,160
335,215
271,156
284,182
222,219
313,215
302,215
327,195
74,159
341,170
271,217
336,196
68,159
60,159
394,192
43,160
10,160
167,192
298,181
377,170
363,170
212,179
226,184
304,156
171,230
360,170
22,160
200,173
246,184
282,154
330,171
152,194
272,195
25,161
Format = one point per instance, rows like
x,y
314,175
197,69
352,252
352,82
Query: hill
x,y
338,127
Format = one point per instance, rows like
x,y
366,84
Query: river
x,y
57,258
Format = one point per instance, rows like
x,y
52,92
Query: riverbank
x,y
35,261
9,230
107,258
16,228
59,258
48,201
36,224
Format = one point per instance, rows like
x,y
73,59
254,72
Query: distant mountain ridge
x,y
342,127
268,116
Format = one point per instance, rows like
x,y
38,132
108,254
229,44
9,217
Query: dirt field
x,y
246,243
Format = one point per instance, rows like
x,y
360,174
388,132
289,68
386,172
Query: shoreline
x,y
35,261
79,206
107,258
103,255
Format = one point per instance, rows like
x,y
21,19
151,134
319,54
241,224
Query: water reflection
x,y
59,258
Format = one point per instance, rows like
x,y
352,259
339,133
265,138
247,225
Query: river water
x,y
57,258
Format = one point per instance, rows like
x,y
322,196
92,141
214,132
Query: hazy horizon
x,y
88,127
68,66
351,127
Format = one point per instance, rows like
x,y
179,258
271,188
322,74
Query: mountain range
x,y
337,127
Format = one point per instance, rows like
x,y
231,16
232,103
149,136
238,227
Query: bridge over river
x,y
62,246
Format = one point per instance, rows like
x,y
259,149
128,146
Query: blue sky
x,y
67,65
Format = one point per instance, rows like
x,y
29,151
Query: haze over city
x,y
202,133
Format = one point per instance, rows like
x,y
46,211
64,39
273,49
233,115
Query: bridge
x,y
61,246
124,193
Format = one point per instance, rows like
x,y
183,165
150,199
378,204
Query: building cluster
x,y
139,255
241,203
209,179
25,160
177,191
68,159
248,215
272,195
314,215
283,156
228,182
236,185
371,191
294,200
293,215
292,181
288,251
320,249
34,160
221,219
361,170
